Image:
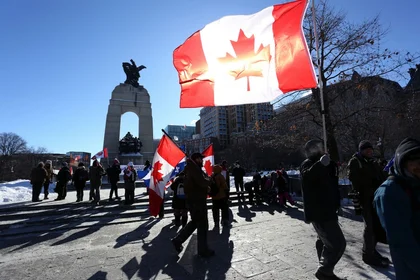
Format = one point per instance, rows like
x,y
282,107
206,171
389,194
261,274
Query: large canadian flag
x,y
167,156
246,58
208,160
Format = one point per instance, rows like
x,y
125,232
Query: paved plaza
x,y
65,240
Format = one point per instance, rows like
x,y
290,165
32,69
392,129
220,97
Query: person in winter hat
x,y
130,176
397,203
49,168
113,172
321,201
366,175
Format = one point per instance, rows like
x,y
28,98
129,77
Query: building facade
x,y
227,122
180,132
214,123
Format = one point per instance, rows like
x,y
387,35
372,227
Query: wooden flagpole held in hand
x,y
320,83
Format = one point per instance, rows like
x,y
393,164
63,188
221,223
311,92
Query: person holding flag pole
x,y
320,192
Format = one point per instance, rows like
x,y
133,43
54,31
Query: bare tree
x,y
11,143
345,47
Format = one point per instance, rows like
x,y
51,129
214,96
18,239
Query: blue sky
x,y
60,60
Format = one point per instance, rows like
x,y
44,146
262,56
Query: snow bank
x,y
17,191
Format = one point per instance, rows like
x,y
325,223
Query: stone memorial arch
x,y
129,97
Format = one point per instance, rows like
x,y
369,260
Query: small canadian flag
x,y
208,160
101,154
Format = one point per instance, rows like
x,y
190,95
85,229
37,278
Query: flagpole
x,y
320,84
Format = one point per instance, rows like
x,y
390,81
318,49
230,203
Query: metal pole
x,y
320,84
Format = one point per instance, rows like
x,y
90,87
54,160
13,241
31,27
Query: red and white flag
x,y
246,59
101,154
167,156
208,160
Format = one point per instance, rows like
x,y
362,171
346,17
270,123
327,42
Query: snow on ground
x,y
18,191
15,191
21,190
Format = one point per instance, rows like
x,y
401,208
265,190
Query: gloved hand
x,y
325,160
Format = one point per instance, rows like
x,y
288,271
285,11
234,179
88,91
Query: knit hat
x,y
116,161
130,164
65,164
365,144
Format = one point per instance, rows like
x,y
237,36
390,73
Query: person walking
x,y
38,177
113,174
321,201
366,176
397,203
197,187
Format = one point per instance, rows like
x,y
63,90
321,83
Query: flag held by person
x,y
246,59
101,154
167,156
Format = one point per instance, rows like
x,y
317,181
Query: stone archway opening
x,y
129,123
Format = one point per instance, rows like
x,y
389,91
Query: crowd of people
x,y
389,200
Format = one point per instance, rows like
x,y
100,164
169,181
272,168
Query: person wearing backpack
x,y
80,177
366,176
219,198
197,187
178,200
397,203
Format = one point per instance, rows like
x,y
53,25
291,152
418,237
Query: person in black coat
x,y
63,177
80,177
113,173
321,201
238,174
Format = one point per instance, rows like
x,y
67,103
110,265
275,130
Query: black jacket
x,y
238,174
321,196
113,173
80,176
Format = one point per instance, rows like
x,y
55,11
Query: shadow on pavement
x,y
140,233
244,212
161,260
100,275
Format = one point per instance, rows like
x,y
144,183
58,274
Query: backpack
x,y
214,188
180,191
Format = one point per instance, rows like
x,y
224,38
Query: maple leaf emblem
x,y
247,62
157,176
208,167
